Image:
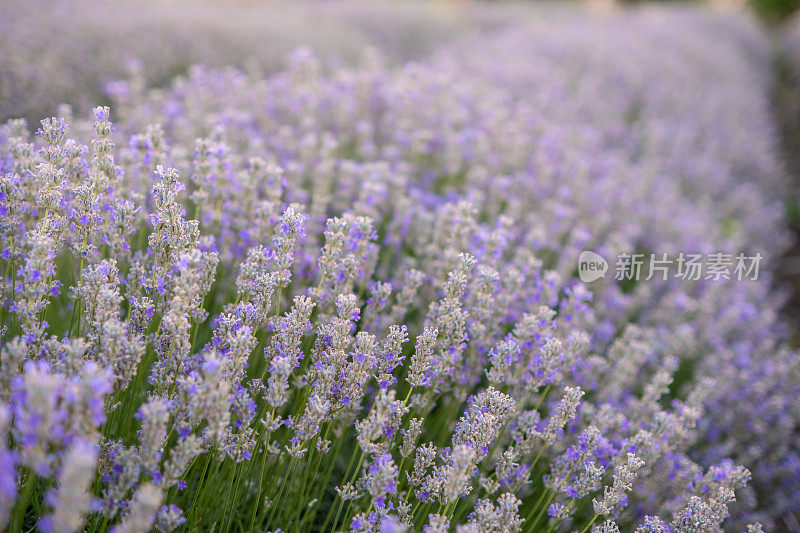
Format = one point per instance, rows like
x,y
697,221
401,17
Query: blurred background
x,y
53,40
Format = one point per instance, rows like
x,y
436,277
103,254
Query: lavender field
x,y
373,267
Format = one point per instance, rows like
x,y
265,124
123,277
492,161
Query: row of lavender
x,y
68,51
321,301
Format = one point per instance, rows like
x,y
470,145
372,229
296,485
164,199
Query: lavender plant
x,y
346,299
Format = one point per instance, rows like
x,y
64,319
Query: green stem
x,y
274,504
324,485
227,498
549,498
21,506
590,523
340,502
352,480
200,486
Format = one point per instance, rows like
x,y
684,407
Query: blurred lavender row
x,y
66,52
342,293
